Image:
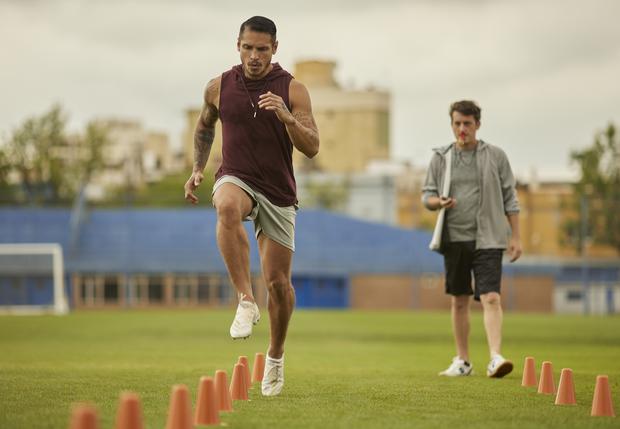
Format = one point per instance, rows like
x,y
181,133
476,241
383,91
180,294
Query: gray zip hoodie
x,y
498,197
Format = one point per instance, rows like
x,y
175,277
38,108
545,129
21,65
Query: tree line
x,y
40,164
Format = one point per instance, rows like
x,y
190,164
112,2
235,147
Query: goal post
x,y
32,279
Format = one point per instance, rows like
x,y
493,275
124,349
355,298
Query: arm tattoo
x,y
203,138
308,125
205,128
304,133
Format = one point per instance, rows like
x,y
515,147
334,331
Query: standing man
x,y
475,233
264,113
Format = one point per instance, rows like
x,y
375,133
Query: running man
x,y
264,113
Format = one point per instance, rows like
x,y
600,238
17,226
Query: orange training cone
x,y
238,389
224,401
601,403
207,412
83,416
180,411
244,361
259,367
129,414
529,373
566,389
546,384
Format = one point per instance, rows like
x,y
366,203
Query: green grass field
x,y
343,369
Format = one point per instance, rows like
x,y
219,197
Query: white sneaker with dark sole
x,y
499,367
273,377
246,317
458,368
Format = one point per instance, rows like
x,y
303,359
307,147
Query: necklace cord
x,y
254,107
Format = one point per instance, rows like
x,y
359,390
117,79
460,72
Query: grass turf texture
x,y
343,369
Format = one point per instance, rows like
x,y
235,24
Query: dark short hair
x,y
467,108
260,24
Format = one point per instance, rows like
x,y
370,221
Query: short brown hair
x,y
467,108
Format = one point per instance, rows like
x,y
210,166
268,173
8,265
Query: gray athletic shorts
x,y
277,223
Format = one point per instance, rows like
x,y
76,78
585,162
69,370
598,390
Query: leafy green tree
x,y
51,167
33,152
598,191
88,159
6,191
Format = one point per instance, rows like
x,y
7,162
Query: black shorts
x,y
461,258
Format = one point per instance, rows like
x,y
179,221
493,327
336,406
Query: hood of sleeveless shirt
x,y
276,72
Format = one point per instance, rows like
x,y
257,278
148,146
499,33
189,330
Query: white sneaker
x,y
246,316
273,378
458,368
499,367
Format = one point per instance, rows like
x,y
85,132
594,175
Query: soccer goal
x,y
32,279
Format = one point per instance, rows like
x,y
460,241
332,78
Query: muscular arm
x,y
205,128
303,130
299,122
203,138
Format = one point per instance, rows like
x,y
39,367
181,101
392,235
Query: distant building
x,y
546,209
157,157
353,124
374,195
134,156
369,197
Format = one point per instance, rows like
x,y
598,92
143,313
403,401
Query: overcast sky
x,y
546,73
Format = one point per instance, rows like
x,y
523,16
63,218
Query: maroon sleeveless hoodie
x,y
257,150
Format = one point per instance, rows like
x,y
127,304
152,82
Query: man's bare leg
x,y
493,317
276,262
499,366
233,205
460,325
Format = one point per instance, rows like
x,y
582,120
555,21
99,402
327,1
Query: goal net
x,y
32,279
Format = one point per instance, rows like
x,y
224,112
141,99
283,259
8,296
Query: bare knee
x,y
278,285
491,299
228,212
460,303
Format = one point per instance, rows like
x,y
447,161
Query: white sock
x,y
276,360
